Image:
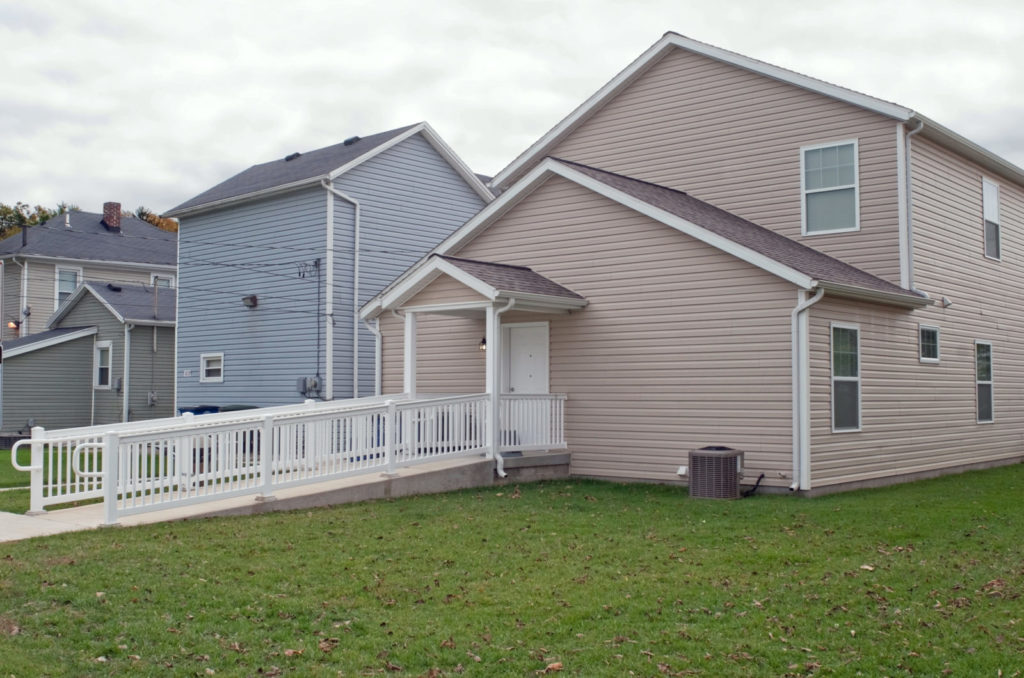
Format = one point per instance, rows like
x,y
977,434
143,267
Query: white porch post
x,y
410,354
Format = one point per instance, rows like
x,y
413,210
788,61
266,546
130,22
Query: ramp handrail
x,y
14,458
76,455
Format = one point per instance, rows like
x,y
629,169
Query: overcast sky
x,y
149,103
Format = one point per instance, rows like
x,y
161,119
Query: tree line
x,y
13,217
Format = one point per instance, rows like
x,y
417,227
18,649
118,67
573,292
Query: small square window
x,y
211,368
928,344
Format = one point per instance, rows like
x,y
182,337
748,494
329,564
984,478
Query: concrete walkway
x,y
440,476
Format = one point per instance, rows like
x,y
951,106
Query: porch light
x,y
483,343
13,324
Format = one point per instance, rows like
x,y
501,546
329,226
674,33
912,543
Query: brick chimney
x,y
112,216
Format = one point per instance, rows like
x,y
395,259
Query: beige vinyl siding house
x,y
876,343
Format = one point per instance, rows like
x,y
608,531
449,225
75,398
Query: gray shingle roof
x,y
139,241
281,172
778,247
11,344
134,302
508,278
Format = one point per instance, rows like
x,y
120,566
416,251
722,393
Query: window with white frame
x,y
66,282
845,377
211,367
101,365
828,180
990,207
928,343
161,279
983,380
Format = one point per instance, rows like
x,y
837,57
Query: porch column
x,y
410,354
493,380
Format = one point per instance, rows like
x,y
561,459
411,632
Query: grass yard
x,y
575,578
9,477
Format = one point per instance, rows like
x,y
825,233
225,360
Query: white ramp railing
x,y
158,464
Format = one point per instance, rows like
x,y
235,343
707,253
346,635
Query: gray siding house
x,y
41,267
107,356
275,262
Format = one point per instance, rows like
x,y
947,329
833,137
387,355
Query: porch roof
x,y
493,281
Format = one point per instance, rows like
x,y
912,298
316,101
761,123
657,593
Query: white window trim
x,y
938,344
163,276
203,379
984,220
833,378
97,347
990,382
855,186
56,282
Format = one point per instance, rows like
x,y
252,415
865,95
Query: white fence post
x,y
111,457
390,428
35,504
266,459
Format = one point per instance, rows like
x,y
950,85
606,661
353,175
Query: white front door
x,y
525,361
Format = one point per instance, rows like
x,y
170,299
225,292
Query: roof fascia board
x,y
689,228
412,284
967,148
84,262
654,54
374,152
542,299
853,292
443,308
144,322
438,144
53,341
264,193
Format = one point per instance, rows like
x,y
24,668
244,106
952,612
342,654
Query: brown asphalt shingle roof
x,y
508,278
778,247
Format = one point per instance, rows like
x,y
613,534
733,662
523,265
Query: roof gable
x,y
792,261
324,164
672,41
136,304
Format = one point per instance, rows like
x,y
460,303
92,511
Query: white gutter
x,y
378,353
126,371
355,279
801,385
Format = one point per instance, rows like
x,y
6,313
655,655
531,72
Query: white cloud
x,y
152,102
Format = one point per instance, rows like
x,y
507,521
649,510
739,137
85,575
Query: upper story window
x,y
67,281
990,207
828,180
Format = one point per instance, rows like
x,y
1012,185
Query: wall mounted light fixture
x,y
483,344
250,301
13,324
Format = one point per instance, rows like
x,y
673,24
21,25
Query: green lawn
x,y
595,579
9,477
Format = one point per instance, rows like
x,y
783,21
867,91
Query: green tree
x,y
13,217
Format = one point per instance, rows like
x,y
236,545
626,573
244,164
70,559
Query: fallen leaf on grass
x,y
293,653
869,568
392,667
472,656
328,644
450,643
551,668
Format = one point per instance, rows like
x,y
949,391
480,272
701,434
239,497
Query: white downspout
x,y
355,280
92,383
801,384
378,355
494,359
22,297
125,372
910,206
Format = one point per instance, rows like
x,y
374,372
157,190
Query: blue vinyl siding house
x,y
275,262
